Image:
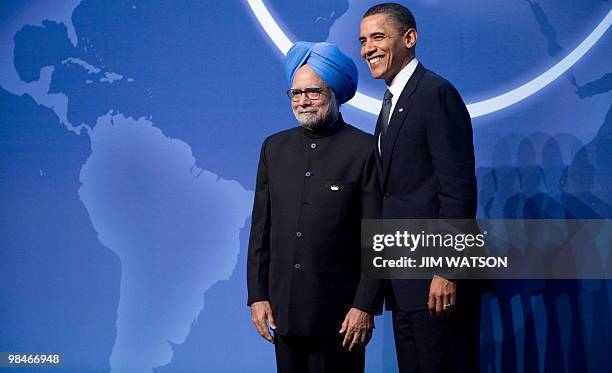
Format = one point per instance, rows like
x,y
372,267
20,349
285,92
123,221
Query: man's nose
x,y
368,48
303,101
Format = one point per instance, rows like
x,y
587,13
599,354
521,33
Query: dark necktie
x,y
386,111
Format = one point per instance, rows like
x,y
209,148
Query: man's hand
x,y
442,294
358,328
261,315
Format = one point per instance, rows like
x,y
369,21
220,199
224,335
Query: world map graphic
x,y
130,137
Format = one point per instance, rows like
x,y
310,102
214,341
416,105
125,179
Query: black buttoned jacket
x,y
313,188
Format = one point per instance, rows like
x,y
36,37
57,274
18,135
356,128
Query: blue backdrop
x,y
129,139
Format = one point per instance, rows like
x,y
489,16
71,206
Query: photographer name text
x,y
442,262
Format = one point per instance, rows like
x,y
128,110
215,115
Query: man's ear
x,y
410,38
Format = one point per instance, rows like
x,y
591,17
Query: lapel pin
x,y
401,109
334,187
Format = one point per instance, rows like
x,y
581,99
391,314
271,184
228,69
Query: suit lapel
x,y
402,107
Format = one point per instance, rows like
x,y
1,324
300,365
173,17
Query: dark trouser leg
x,y
466,339
426,344
291,354
328,356
316,355
413,343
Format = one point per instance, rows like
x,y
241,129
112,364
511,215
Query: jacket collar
x,y
326,131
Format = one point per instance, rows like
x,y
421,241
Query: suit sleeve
x,y
370,293
258,259
449,137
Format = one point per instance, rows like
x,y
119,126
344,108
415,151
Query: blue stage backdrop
x,y
129,139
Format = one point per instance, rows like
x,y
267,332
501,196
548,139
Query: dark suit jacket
x,y
427,165
304,255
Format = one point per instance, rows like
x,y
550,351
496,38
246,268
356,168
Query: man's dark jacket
x,y
313,188
427,166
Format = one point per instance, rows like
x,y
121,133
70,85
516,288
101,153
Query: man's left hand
x,y
442,293
358,328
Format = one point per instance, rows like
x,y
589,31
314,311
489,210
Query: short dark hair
x,y
402,17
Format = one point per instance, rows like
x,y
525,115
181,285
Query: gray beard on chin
x,y
318,120
311,120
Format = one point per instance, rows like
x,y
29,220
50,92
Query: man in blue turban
x,y
335,68
315,183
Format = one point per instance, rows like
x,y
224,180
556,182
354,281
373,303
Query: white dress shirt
x,y
397,86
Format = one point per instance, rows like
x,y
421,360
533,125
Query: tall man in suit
x,y
314,184
426,157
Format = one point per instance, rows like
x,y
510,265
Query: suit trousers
x,y
316,355
431,344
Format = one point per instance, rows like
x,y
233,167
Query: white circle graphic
x,y
371,105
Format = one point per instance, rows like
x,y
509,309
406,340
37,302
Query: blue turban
x,y
335,68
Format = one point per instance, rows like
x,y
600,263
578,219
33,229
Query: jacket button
x,y
298,234
387,196
313,145
297,266
307,174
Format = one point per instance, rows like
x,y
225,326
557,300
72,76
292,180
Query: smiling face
x,y
313,113
384,47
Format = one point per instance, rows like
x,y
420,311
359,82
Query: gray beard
x,y
315,121
311,120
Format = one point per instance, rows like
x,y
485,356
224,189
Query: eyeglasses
x,y
311,93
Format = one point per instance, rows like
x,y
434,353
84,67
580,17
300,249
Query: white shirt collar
x,y
400,80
